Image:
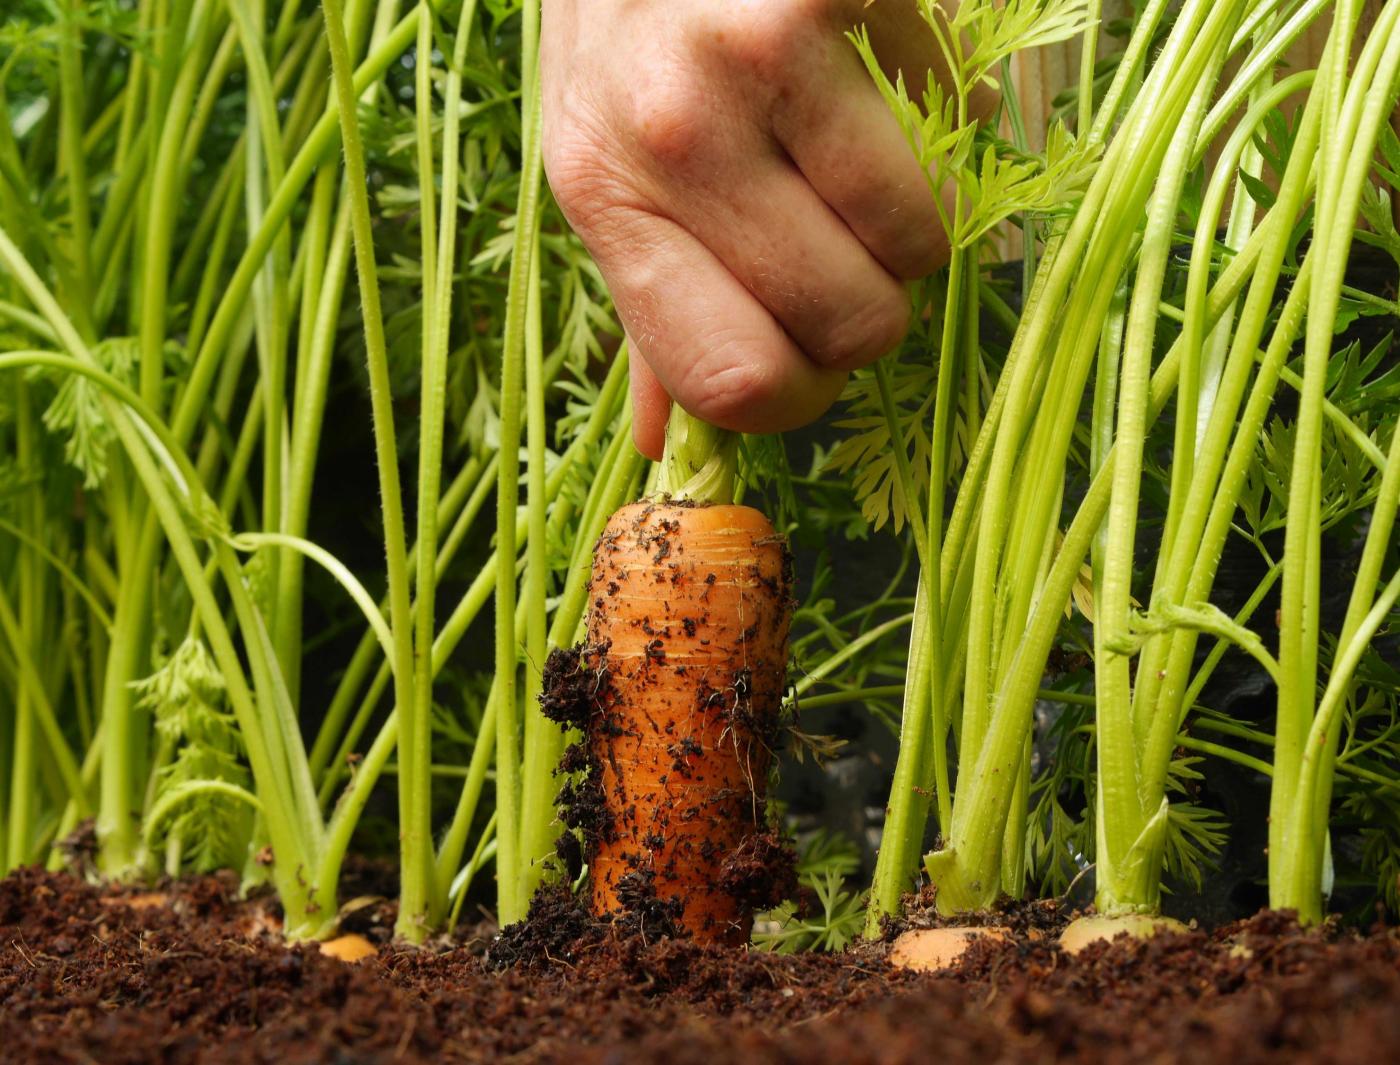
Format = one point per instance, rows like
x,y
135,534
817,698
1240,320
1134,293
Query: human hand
x,y
747,195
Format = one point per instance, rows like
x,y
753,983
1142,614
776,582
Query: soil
x,y
189,973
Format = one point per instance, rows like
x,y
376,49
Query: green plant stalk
x,y
414,874
979,808
829,665
295,832
1209,504
1260,64
922,763
1298,613
511,900
1088,51
116,826
1104,416
1130,820
924,718
438,266
23,769
1200,370
543,738
1129,70
327,247
993,518
1320,754
417,911
1157,754
1304,742
846,696
614,486
216,250
907,810
283,200
1024,554
700,460
962,521
265,167
1221,512
163,201
1318,763
70,100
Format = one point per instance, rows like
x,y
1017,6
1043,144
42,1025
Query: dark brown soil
x,y
92,974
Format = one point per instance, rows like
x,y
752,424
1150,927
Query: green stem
x,y
511,903
71,100
414,877
1306,739
700,460
1128,866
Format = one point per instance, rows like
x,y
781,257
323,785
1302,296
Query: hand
x,y
750,200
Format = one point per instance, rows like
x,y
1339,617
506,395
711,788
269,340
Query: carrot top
x,y
699,462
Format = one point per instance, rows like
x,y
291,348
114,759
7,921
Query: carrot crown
x,y
700,460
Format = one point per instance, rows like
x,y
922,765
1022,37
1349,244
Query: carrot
x,y
689,607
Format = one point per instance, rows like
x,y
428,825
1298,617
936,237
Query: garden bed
x,y
190,973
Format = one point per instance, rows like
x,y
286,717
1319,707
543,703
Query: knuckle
x,y
872,329
670,117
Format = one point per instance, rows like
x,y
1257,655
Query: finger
x,y
651,406
851,150
713,347
784,244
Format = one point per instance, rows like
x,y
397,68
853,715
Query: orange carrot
x,y
689,607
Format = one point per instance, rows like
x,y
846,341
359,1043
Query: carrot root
x,y
678,693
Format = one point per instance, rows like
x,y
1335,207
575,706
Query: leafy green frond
x,y
999,30
1011,183
187,696
76,410
1195,836
786,930
868,448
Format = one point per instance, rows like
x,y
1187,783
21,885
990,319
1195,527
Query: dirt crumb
x,y
556,923
569,686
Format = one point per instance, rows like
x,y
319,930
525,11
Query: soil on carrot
x,y
188,973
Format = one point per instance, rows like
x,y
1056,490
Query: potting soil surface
x,y
190,973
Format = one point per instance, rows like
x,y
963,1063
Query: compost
x,y
188,972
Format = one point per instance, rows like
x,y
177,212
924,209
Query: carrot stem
x,y
700,460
